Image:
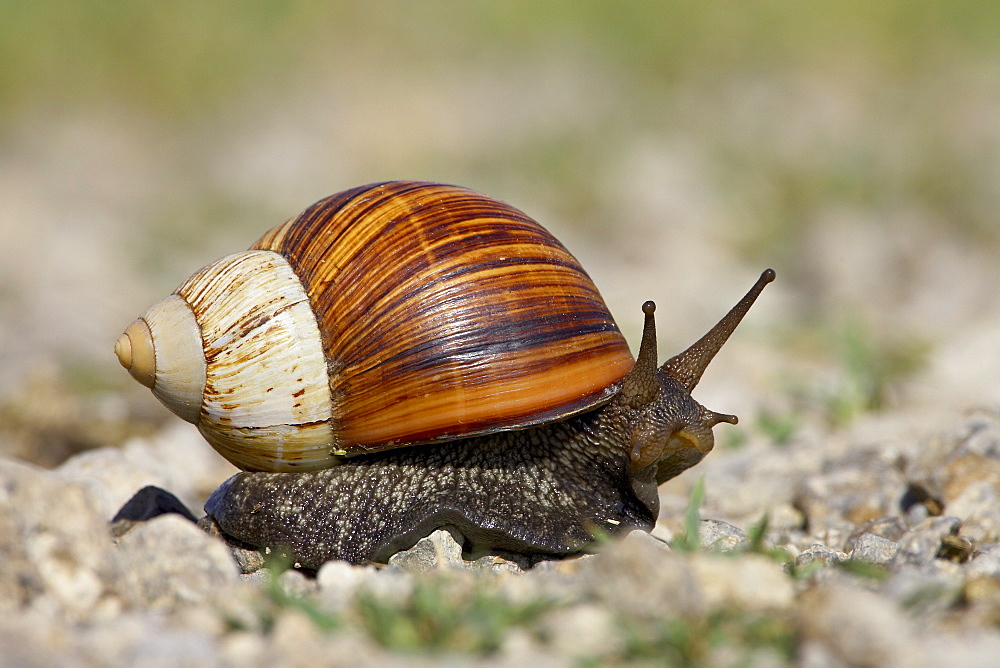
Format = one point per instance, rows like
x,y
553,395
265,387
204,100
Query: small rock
x,y
917,513
30,637
955,548
835,533
111,476
928,591
177,459
496,563
438,551
979,507
860,486
891,528
521,648
873,549
820,554
750,582
295,639
720,536
442,551
968,469
258,578
972,649
248,559
173,647
139,637
856,627
985,562
982,589
641,577
55,543
242,648
757,480
169,561
982,437
585,631
296,584
921,544
339,582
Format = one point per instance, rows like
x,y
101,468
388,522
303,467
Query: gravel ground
x,y
882,553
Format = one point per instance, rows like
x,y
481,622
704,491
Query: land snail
x,y
406,356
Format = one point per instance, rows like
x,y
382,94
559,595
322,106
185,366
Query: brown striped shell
x,y
424,312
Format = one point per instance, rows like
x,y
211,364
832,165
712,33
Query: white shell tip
x,y
134,349
123,350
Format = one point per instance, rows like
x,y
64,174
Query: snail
x,y
406,356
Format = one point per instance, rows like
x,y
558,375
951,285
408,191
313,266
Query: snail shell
x,y
383,316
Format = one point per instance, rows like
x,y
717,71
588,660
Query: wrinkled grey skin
x,y
547,490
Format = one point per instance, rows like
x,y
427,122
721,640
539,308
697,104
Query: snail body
x,y
405,356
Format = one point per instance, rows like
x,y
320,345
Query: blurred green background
x,y
676,148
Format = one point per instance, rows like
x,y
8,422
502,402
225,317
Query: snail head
x,y
674,431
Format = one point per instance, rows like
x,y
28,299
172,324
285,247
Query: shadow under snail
x,y
406,356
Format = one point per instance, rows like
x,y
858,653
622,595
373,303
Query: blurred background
x,y
676,148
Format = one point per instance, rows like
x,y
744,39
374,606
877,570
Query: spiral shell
x,y
383,316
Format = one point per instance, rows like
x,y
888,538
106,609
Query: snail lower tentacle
x,y
545,491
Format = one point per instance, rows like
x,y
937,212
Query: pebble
x,y
985,562
890,528
820,555
56,546
874,549
922,544
928,592
582,631
168,562
753,583
641,577
849,626
296,584
858,487
720,536
338,581
979,507
438,551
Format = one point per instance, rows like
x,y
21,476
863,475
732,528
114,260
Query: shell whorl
x,y
444,313
384,316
